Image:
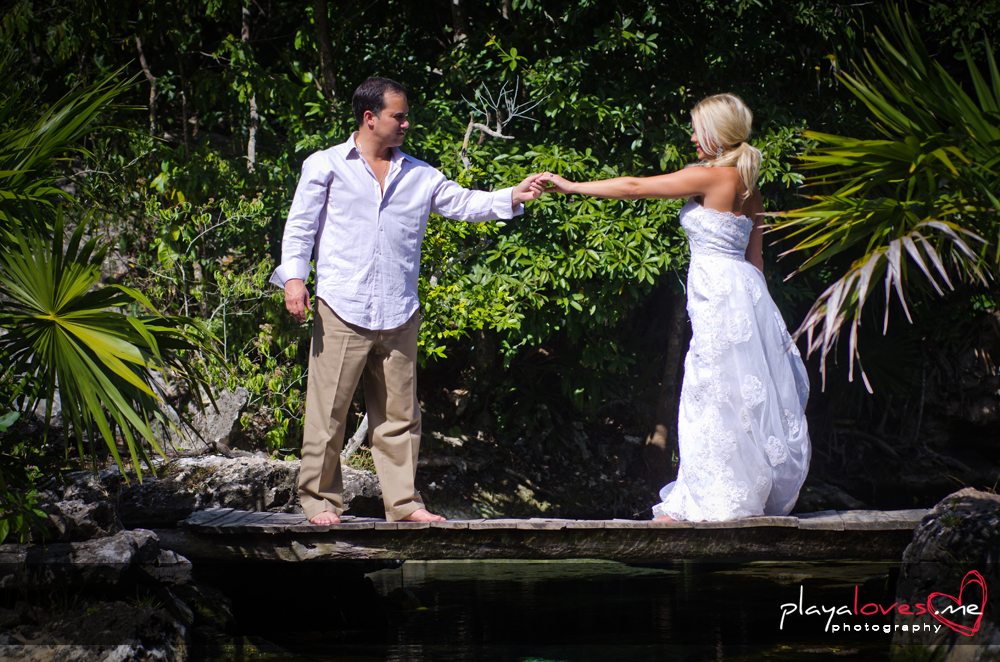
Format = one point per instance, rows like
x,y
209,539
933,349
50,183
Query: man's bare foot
x,y
664,518
325,518
421,515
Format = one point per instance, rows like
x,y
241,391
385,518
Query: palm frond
x,y
914,208
29,148
62,333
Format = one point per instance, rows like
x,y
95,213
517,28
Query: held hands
x,y
555,184
530,188
297,298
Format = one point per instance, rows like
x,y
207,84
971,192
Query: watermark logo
x,y
938,611
971,577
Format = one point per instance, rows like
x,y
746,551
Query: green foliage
x,y
62,334
913,207
561,307
18,478
61,331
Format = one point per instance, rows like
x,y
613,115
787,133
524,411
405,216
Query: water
x,y
528,611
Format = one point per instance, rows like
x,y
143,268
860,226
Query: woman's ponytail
x,y
723,124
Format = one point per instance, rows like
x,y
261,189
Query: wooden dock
x,y
222,534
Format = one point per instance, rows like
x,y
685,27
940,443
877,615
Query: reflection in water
x,y
529,611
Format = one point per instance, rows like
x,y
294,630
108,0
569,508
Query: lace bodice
x,y
713,232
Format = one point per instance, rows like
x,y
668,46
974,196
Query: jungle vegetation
x,y
149,151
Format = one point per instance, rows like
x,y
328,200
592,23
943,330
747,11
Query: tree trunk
x,y
459,21
660,444
320,16
184,107
152,86
254,118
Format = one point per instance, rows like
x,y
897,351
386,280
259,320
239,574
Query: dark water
x,y
582,611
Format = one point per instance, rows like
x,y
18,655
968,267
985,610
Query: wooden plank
x,y
410,526
824,520
913,516
201,517
626,524
537,524
650,544
287,519
453,524
308,527
750,523
593,524
490,524
223,524
652,524
354,525
401,526
870,520
253,523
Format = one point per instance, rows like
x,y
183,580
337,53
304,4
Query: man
x,y
363,206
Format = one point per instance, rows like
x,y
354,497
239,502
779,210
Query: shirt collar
x,y
352,149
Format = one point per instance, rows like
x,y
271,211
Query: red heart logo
x,y
971,577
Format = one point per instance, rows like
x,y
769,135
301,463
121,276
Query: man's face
x,y
391,124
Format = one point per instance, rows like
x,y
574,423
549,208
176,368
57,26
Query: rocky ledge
x,y
94,583
954,552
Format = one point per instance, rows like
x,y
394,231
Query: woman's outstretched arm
x,y
681,184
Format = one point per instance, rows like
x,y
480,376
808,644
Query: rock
x,y
85,507
126,557
214,426
245,483
362,493
116,632
55,416
75,520
460,398
960,535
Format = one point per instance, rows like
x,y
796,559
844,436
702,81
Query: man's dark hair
x,y
370,95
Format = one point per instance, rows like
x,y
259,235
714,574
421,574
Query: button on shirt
x,y
366,242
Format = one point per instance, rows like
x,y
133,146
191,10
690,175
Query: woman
x,y
744,446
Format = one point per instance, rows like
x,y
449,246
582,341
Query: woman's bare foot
x,y
325,518
664,518
421,515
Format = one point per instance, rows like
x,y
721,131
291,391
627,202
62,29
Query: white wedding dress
x,y
744,446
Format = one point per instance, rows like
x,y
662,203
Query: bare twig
x,y
503,107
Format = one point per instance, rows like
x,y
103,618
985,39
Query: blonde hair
x,y
723,122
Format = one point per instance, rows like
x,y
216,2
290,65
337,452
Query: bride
x,y
744,446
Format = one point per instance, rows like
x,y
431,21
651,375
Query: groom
x,y
362,208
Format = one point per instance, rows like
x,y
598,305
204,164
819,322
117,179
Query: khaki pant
x,y
341,353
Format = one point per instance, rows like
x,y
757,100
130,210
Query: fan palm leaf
x,y
61,330
915,209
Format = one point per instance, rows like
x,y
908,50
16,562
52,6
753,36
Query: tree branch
x,y
152,85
